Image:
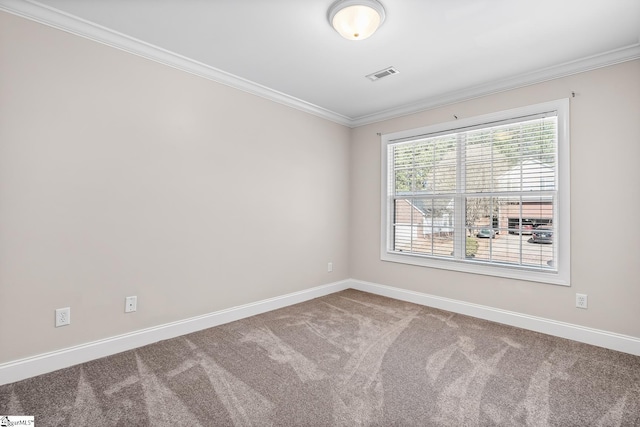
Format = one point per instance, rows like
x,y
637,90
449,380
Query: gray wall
x,y
605,196
120,176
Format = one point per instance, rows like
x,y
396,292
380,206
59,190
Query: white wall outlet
x,y
581,300
330,267
63,316
130,304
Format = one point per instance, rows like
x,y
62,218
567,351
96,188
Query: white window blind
x,y
483,193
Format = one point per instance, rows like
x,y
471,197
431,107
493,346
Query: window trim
x,y
563,208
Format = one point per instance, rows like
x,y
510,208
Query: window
x,y
488,194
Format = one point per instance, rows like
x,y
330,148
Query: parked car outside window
x,y
542,234
486,233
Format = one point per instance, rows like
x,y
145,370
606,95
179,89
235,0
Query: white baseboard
x,y
48,362
610,340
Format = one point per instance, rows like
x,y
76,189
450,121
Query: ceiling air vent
x,y
382,73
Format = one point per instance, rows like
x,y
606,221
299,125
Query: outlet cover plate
x,y
63,316
582,301
130,304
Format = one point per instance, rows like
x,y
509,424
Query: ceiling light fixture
x,y
356,19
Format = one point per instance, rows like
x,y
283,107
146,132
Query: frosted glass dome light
x,y
356,19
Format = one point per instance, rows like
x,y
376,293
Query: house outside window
x,y
487,194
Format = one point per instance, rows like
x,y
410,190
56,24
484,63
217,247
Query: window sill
x,y
479,267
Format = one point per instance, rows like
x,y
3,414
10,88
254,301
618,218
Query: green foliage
x,y
493,158
424,165
428,165
534,139
471,247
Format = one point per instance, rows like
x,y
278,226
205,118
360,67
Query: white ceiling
x,y
444,50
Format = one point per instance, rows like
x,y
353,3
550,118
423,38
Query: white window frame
x,y
561,276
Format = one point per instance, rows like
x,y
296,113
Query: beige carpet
x,y
347,359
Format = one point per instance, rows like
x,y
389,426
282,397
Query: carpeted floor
x,y
347,359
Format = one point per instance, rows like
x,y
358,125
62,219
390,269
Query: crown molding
x,y
628,53
72,24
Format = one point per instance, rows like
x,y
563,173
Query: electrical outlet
x,y
330,267
581,300
130,304
63,316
